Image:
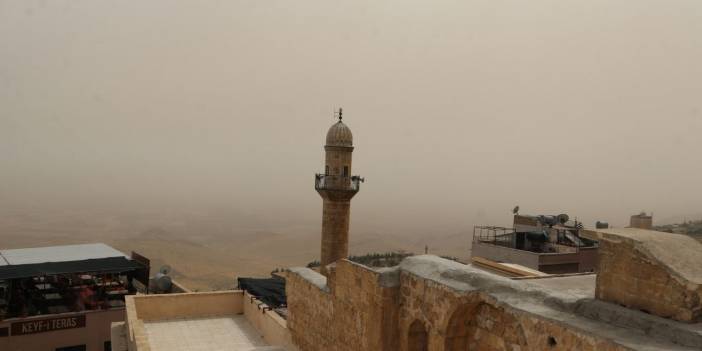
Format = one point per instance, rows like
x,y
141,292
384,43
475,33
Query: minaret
x,y
337,187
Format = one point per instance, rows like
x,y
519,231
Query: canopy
x,y
84,258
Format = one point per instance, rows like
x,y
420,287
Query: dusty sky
x,y
460,109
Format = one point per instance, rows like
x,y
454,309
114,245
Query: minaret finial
x,y
340,114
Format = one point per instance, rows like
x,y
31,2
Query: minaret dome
x,y
339,135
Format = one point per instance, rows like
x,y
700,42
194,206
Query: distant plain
x,y
209,250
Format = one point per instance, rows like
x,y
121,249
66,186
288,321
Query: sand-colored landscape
x,y
207,250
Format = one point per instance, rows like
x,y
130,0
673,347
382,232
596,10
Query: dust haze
x,y
191,131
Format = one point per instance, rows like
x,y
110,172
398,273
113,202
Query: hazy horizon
x,y
460,109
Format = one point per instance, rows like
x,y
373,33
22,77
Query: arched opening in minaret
x,y
326,170
418,339
346,171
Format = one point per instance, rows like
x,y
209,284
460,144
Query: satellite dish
x,y
563,218
515,210
165,269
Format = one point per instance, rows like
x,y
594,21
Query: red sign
x,y
47,325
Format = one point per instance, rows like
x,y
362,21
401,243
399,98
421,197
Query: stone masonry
x,y
336,187
659,273
355,312
432,304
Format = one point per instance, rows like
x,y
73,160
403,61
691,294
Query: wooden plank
x,y
510,271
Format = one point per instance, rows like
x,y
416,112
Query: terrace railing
x,y
494,235
337,182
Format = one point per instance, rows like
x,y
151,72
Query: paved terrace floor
x,y
231,333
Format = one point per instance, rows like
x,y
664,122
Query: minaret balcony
x,y
337,182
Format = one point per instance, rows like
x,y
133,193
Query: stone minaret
x,y
337,187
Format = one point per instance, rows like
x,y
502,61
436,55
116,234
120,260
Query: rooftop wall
x,y
457,308
656,272
433,304
146,308
272,327
356,309
188,305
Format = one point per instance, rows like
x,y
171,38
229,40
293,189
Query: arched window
x,y
457,329
346,171
326,170
417,339
468,329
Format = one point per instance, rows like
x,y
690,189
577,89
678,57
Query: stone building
x,y
430,303
641,221
646,295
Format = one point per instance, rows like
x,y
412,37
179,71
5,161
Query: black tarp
x,y
541,236
101,265
270,291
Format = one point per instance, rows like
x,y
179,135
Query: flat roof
x,y
50,260
64,253
232,332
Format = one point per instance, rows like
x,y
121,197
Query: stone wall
x,y
432,304
476,321
361,309
141,309
659,273
188,305
641,222
272,327
356,310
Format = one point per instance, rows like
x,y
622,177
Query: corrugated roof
x,y
63,253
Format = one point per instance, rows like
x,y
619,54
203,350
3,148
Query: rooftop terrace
x,y
226,320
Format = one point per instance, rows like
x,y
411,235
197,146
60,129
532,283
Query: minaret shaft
x,y
335,231
336,187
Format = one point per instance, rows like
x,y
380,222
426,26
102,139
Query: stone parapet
x,y
432,304
655,272
358,313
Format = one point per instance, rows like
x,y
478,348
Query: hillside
x,y
207,251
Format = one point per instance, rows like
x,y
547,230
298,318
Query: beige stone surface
x,y
475,321
355,313
655,272
432,304
202,321
337,194
166,306
231,333
271,326
335,230
679,253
